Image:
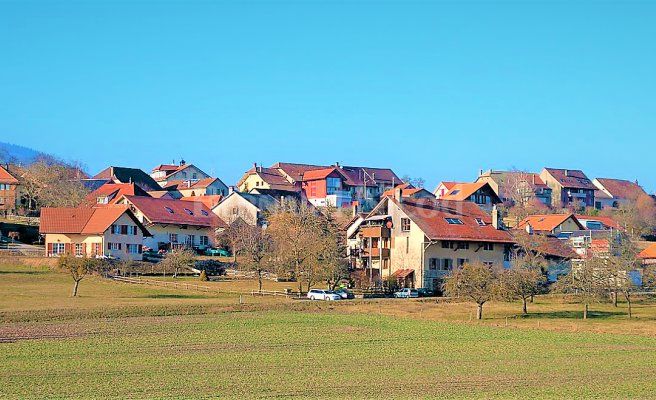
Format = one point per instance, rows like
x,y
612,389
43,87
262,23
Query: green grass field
x,y
123,341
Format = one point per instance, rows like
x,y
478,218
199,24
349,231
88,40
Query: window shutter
x,y
119,246
109,246
68,248
140,248
49,249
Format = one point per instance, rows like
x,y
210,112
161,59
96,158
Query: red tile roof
x,y
407,190
547,222
355,176
83,220
6,177
166,211
114,191
296,171
571,178
648,253
621,189
187,184
165,167
210,201
430,215
318,174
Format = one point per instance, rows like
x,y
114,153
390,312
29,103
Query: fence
x,y
198,287
11,251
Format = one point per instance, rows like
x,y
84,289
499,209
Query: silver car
x,y
320,294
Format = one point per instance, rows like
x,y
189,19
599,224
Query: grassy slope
x,y
290,352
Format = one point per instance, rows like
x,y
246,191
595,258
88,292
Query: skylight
x,y
480,222
204,212
169,209
454,221
188,211
455,192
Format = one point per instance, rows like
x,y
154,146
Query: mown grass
x,y
175,344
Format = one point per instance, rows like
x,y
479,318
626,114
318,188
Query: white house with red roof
x,y
418,241
183,172
175,223
109,231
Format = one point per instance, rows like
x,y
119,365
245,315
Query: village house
x,y
175,223
443,188
612,193
407,190
8,191
648,255
598,222
249,207
111,193
165,173
419,241
201,187
551,224
513,186
323,185
210,201
570,187
480,193
122,175
111,231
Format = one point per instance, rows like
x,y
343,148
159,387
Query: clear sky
x,y
432,89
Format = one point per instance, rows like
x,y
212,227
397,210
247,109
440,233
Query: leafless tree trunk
x,y
479,311
585,311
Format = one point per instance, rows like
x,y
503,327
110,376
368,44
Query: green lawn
x,y
292,349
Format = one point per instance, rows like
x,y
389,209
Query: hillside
x,y
19,154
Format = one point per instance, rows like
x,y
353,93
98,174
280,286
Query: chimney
x,y
533,175
566,172
529,229
495,217
182,162
398,194
231,189
355,210
480,172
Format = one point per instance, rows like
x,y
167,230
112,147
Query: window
x,y
78,250
204,212
169,209
194,176
58,248
463,245
124,229
97,250
102,200
405,224
455,192
115,230
488,246
454,221
132,230
173,237
462,261
133,248
204,241
235,210
333,185
446,264
446,244
433,263
257,183
480,222
188,211
190,240
113,246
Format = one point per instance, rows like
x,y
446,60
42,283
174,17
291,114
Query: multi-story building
x,y
323,185
8,191
517,186
248,207
201,187
110,231
418,241
613,193
175,223
570,187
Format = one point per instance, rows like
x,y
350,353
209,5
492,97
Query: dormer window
x,y
102,200
453,221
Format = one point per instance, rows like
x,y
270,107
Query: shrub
x,y
203,276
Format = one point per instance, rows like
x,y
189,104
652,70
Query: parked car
x,y
345,294
424,292
319,294
5,239
217,252
406,293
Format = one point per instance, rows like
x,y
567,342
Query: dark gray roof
x,y
261,201
129,175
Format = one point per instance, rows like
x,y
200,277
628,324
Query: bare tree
x,y
587,281
295,229
637,216
520,282
417,182
331,255
620,261
179,259
474,281
78,268
256,244
51,183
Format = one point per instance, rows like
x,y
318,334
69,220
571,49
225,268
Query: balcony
x,y
375,231
375,253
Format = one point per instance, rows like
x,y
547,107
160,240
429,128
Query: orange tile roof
x,y
462,191
6,177
210,201
83,220
547,222
648,253
407,190
606,221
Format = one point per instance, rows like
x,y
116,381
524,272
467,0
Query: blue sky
x,y
431,89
